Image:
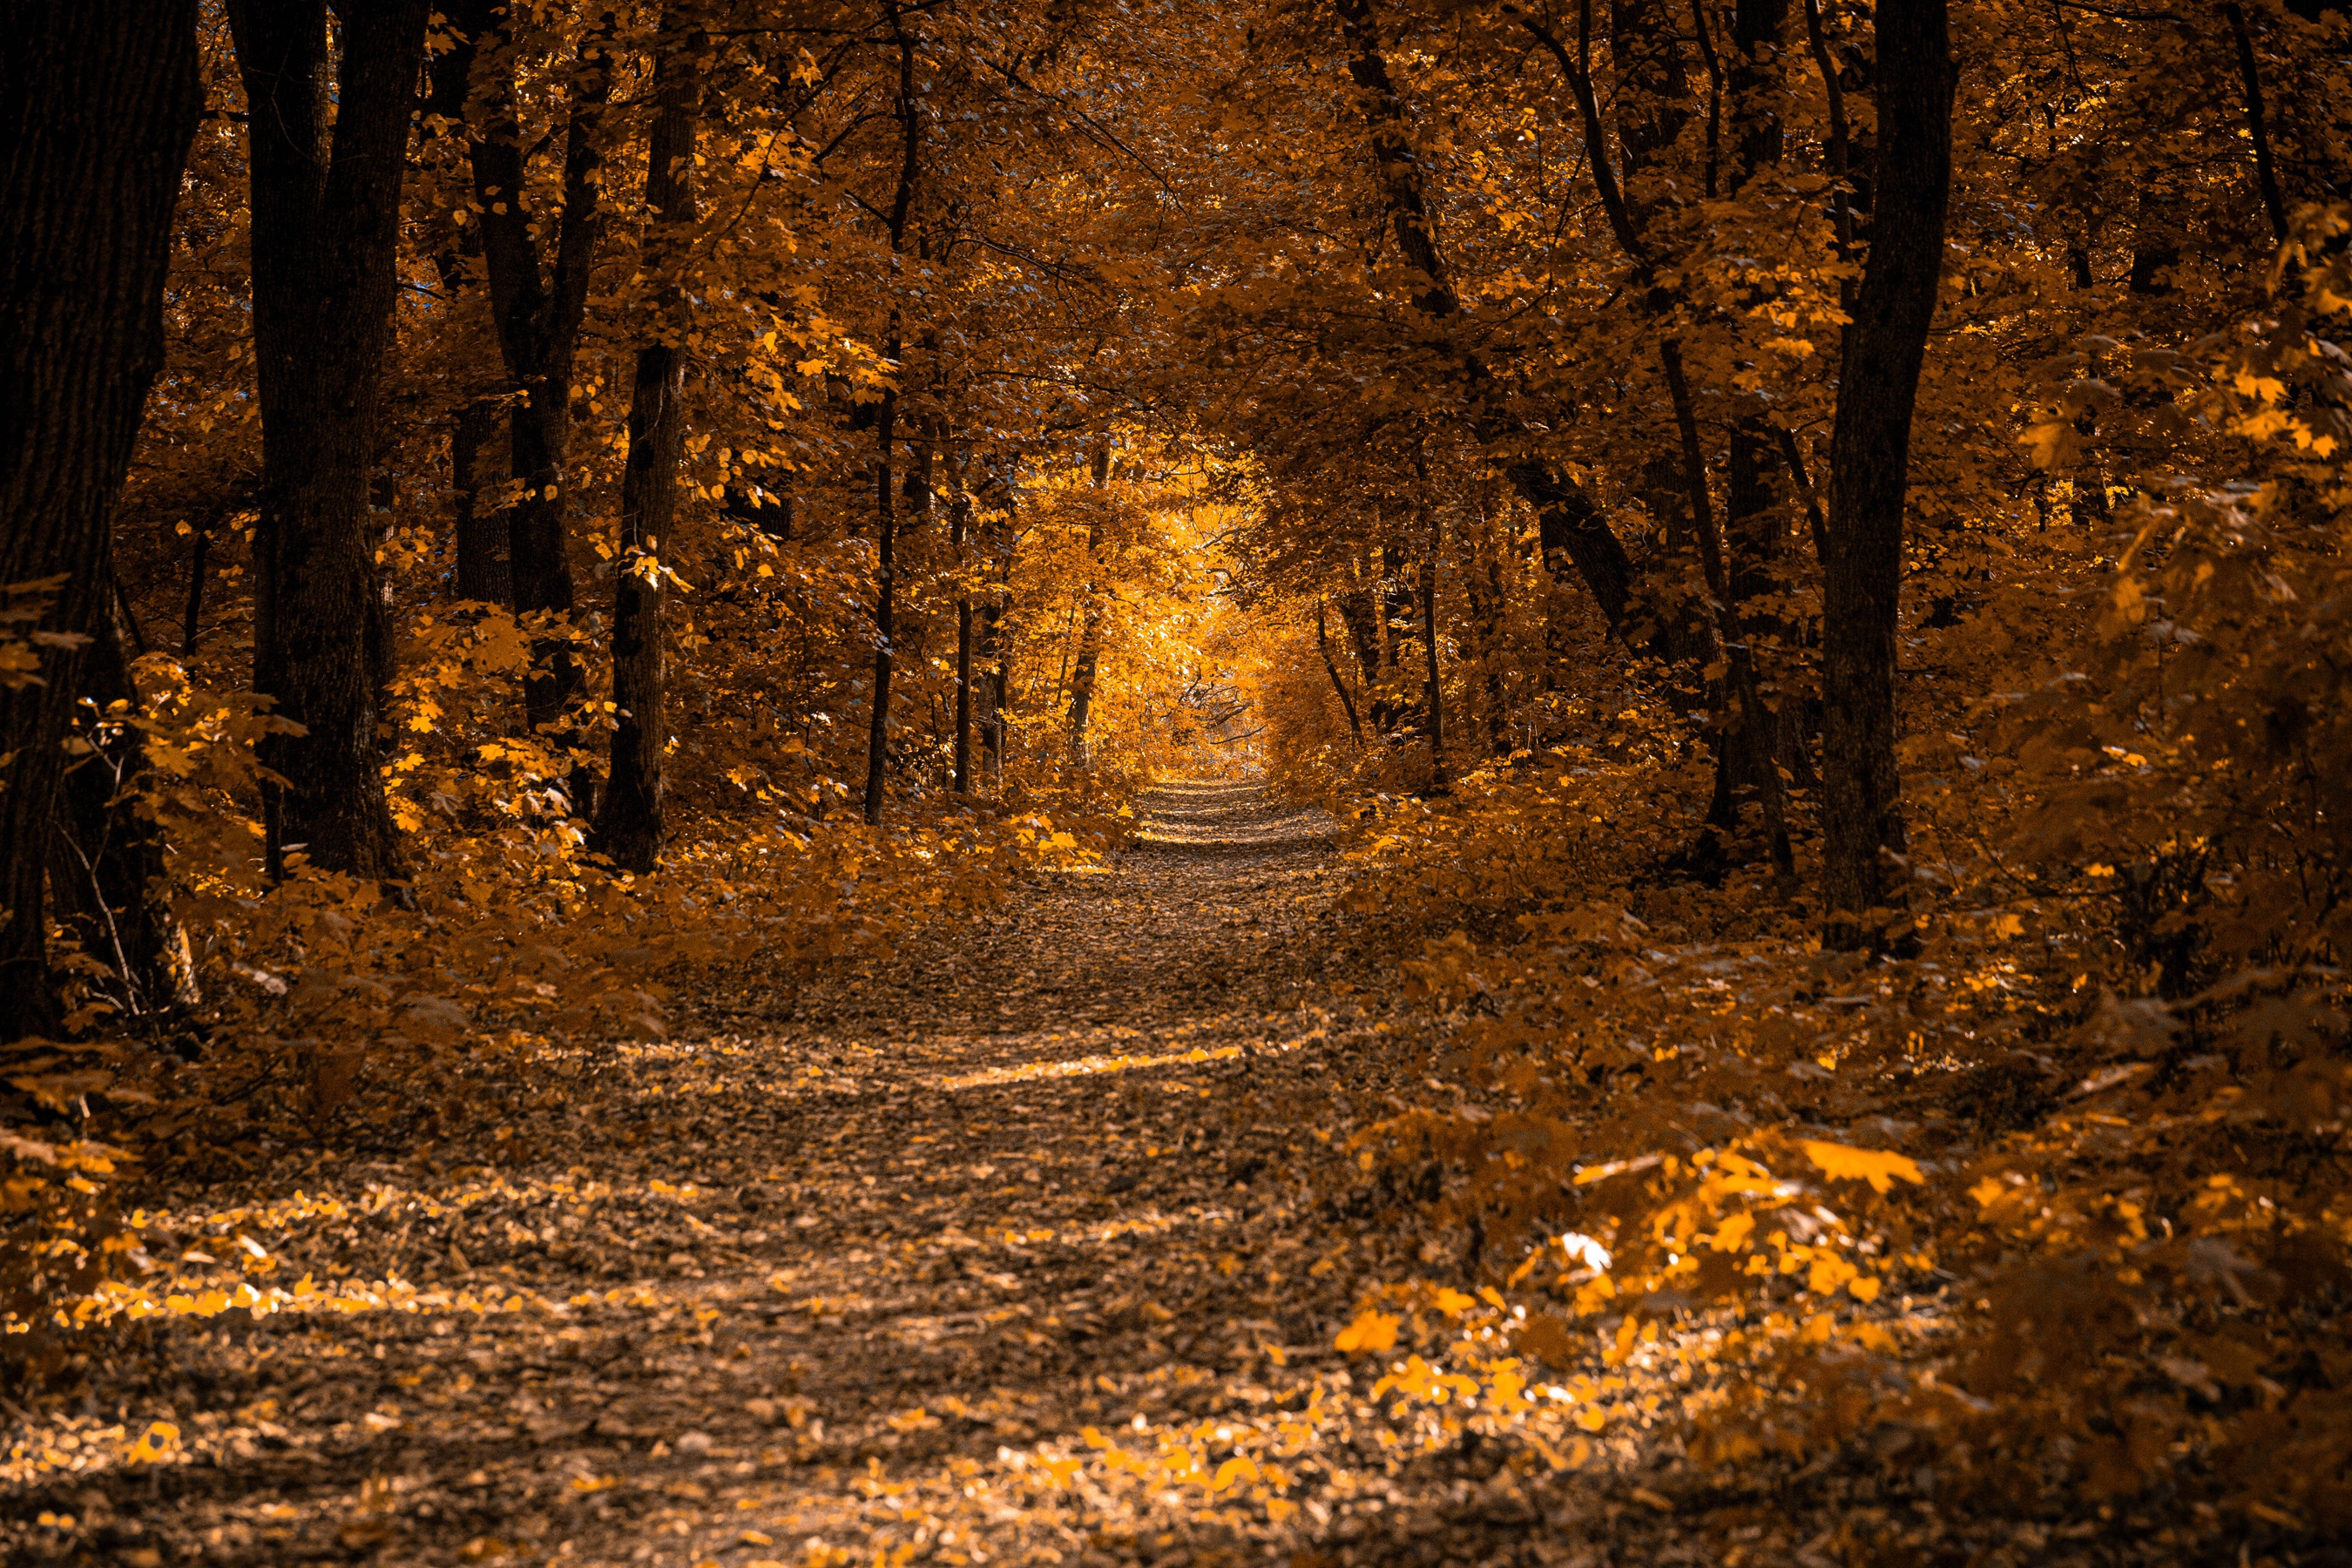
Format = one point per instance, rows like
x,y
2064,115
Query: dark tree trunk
x,y
97,107
1861,558
1754,484
1574,531
538,304
1089,659
482,575
326,237
1483,578
988,650
1332,668
106,861
886,429
959,535
192,619
629,819
1435,700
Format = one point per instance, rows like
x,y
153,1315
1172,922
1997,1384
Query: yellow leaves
x,y
2052,444
1881,1168
1371,1332
158,1442
2267,388
1733,1233
1233,1472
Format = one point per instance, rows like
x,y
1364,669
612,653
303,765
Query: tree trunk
x,y
326,240
989,652
1753,480
1436,690
959,531
106,859
1089,659
97,107
878,741
629,819
1574,531
1870,447
538,314
1332,668
482,575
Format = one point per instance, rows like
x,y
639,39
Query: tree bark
x,y
106,859
959,533
97,107
482,565
629,817
328,139
1574,533
1436,700
1332,668
538,310
990,648
1870,447
878,741
1090,658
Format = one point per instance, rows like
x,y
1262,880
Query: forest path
x,y
855,1282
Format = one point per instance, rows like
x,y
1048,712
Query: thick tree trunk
x,y
97,107
1862,556
629,819
329,134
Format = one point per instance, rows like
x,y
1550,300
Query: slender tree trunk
x,y
959,530
1089,656
1870,447
1753,482
1332,668
482,575
998,535
629,819
97,107
2249,77
106,859
1574,531
877,742
326,240
539,310
1436,690
190,621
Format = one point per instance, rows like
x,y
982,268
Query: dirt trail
x,y
871,1278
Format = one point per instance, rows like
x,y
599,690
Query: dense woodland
x,y
1801,543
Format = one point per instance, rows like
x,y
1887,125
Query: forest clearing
x,y
798,784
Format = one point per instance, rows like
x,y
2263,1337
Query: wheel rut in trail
x,y
855,1277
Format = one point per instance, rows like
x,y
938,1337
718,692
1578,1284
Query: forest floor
x,y
1029,1245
